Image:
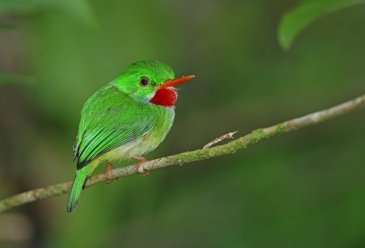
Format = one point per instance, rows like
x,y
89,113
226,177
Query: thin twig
x,y
220,139
191,156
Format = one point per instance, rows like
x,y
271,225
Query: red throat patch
x,y
164,97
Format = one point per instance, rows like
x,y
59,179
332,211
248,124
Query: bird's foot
x,y
139,166
108,176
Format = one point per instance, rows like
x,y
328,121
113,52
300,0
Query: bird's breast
x,y
148,141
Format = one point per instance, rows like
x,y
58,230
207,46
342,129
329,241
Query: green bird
x,y
125,119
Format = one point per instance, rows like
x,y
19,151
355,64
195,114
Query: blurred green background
x,y
303,189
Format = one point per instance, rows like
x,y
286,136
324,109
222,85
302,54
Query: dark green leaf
x,y
304,14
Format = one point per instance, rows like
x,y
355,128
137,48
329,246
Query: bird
x,y
125,119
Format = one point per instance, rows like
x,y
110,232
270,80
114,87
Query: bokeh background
x,y
303,189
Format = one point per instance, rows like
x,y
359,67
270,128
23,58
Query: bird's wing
x,y
110,119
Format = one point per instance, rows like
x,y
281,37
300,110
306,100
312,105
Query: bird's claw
x,y
139,166
108,176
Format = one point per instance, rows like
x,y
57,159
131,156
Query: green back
x,y
110,119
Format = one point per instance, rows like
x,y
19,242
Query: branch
x,y
191,156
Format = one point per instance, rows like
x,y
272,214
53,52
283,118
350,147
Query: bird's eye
x,y
144,81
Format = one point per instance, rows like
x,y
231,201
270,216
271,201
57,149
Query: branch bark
x,y
191,156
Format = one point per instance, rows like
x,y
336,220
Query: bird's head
x,y
150,81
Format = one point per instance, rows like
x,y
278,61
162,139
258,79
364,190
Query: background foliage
x,y
304,189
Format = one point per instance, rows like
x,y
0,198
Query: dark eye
x,y
144,81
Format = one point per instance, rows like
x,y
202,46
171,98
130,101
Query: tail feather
x,y
77,186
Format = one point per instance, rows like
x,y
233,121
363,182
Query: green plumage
x,y
119,121
111,118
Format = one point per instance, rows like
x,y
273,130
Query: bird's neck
x,y
164,97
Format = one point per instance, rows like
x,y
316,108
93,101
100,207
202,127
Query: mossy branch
x,y
191,156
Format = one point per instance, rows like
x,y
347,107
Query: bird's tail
x,y
77,186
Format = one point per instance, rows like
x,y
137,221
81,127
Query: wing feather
x,y
110,119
